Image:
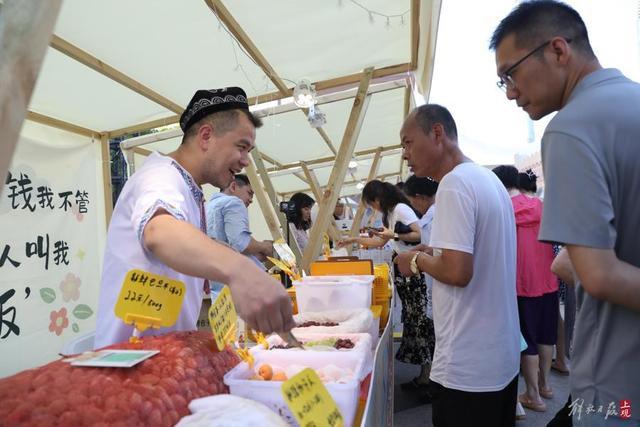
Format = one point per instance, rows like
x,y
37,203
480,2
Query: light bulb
x,y
353,164
303,94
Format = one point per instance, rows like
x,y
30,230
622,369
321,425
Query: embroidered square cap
x,y
209,101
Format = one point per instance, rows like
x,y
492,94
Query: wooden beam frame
x,y
264,183
25,29
141,127
345,184
317,192
263,201
238,33
324,85
405,114
106,177
94,63
332,191
350,80
327,160
234,27
373,172
60,124
415,32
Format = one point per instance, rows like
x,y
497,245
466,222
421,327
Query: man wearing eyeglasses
x,y
590,156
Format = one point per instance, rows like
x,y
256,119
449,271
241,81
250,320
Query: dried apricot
x,y
265,371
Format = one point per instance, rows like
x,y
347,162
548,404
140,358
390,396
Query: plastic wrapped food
x,y
230,411
155,392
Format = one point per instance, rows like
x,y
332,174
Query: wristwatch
x,y
396,237
414,264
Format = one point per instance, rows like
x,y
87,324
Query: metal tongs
x,y
290,339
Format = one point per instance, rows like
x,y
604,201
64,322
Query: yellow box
x,y
292,294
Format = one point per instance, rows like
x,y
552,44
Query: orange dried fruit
x,y
265,371
279,376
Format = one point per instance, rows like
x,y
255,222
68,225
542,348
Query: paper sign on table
x,y
113,358
148,299
223,319
310,402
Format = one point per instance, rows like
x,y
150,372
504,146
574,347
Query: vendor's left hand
x,y
403,261
384,234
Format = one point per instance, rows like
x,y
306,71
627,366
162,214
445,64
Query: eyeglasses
x,y
506,80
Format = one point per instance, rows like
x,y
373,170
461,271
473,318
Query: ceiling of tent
x,y
167,49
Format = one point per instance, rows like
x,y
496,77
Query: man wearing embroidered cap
x,y
158,224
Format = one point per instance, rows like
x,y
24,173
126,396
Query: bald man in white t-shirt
x,y
474,374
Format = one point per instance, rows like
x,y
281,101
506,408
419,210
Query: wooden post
x,y
406,110
266,195
373,172
25,30
317,192
106,177
332,191
263,201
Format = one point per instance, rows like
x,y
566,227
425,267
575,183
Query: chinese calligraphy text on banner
x,y
52,231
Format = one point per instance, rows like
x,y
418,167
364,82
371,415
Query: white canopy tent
x,y
118,68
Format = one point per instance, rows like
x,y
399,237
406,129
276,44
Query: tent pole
x,y
336,180
317,192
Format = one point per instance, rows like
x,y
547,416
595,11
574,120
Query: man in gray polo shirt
x,y
591,161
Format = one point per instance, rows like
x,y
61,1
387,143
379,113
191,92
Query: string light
x,y
373,13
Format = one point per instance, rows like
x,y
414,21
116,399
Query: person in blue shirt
x,y
228,221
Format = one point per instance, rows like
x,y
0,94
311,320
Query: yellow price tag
x,y
223,319
310,402
284,252
282,266
148,299
326,246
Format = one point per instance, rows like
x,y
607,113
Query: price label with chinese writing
x,y
223,318
310,402
150,299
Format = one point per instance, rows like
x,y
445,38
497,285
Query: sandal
x,y
546,393
538,407
413,385
559,370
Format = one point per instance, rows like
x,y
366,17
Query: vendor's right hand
x,y
261,300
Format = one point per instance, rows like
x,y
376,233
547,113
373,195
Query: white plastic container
x,y
322,293
269,392
360,351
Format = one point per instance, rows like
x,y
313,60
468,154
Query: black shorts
x,y
456,408
538,321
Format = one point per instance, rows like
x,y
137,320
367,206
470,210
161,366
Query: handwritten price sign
x,y
223,319
151,296
310,402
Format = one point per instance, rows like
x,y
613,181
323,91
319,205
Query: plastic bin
x,y
269,392
333,293
79,344
360,351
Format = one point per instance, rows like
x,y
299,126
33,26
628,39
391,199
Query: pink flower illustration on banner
x,y
70,287
59,321
75,210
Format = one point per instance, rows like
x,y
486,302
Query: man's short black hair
x,y
428,115
241,180
537,21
